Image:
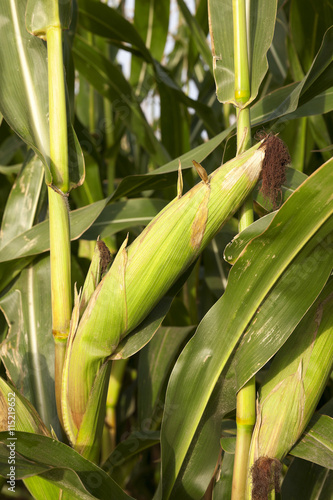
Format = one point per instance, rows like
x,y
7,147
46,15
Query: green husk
x,y
142,273
100,260
293,387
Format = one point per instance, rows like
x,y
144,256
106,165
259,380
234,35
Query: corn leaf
x,y
124,215
24,103
28,350
254,351
316,444
111,25
134,444
26,420
308,481
222,487
21,206
59,465
202,361
312,265
295,375
233,250
308,24
317,81
107,22
155,364
277,54
167,174
36,239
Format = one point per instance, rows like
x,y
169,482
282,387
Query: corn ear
x,y
142,273
288,398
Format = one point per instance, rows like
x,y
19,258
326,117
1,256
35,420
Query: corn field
x,y
166,249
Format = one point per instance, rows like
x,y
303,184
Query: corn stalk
x,y
245,412
48,24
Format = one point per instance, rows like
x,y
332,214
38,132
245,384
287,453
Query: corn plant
x,y
166,294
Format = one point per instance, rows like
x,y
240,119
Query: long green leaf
x,y
124,215
60,465
251,279
308,481
222,488
20,251
22,202
26,420
277,54
28,350
107,22
36,239
156,361
257,346
261,340
24,103
233,250
9,148
135,444
315,83
316,444
308,26
167,174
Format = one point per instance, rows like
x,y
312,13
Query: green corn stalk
x,y
138,278
46,19
289,396
245,408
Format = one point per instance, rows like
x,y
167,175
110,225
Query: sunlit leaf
x,y
59,464
201,363
22,203
28,350
316,443
24,103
